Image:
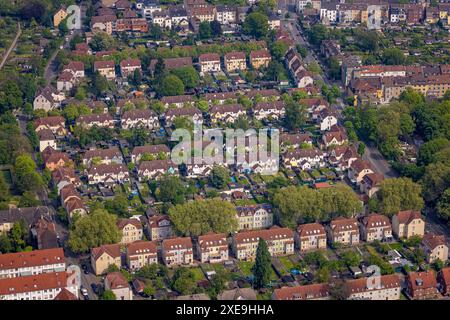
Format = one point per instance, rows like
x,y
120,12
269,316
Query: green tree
x,y
295,116
149,290
204,30
108,295
4,189
27,177
256,24
171,85
393,56
216,28
188,75
435,181
399,194
262,268
200,217
172,190
278,50
118,206
183,281
220,176
93,230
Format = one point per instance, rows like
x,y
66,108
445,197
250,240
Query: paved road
x,y
12,46
380,164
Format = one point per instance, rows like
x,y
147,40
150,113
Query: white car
x,y
84,291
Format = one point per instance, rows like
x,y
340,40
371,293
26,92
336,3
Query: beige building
x,y
358,169
160,227
260,58
209,62
212,248
118,284
141,253
280,241
106,69
435,247
409,223
311,236
104,256
177,251
59,16
387,287
235,61
131,230
376,227
344,231
254,217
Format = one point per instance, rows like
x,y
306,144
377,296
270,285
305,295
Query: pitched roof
x,y
122,223
422,280
359,165
406,216
102,153
257,54
212,240
151,149
177,243
208,57
112,250
141,247
49,121
38,282
376,221
432,241
65,294
116,280
312,291
274,233
127,63
31,258
30,215
235,55
361,285
156,165
102,169
225,108
344,224
311,229
103,64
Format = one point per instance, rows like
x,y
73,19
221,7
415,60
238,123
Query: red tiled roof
x,y
38,282
31,259
312,291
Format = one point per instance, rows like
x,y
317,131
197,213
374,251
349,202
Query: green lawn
x,y
198,274
245,267
288,264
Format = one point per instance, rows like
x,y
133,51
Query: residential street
x,y
12,46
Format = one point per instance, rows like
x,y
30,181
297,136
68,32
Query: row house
x,y
294,140
358,169
104,256
44,286
56,124
71,201
235,61
178,101
385,287
304,158
162,19
253,217
329,12
260,58
311,236
70,75
104,23
102,156
132,25
108,174
131,230
191,112
269,110
209,62
148,7
155,169
263,94
227,113
48,99
226,15
376,227
434,247
175,17
280,241
421,285
76,68
203,13
177,251
27,263
407,224
212,248
129,66
352,13
317,291
142,118
140,254
160,227
118,284
105,68
220,97
370,184
344,231
155,151
104,120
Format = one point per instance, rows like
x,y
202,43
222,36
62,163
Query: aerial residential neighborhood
x,y
224,150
